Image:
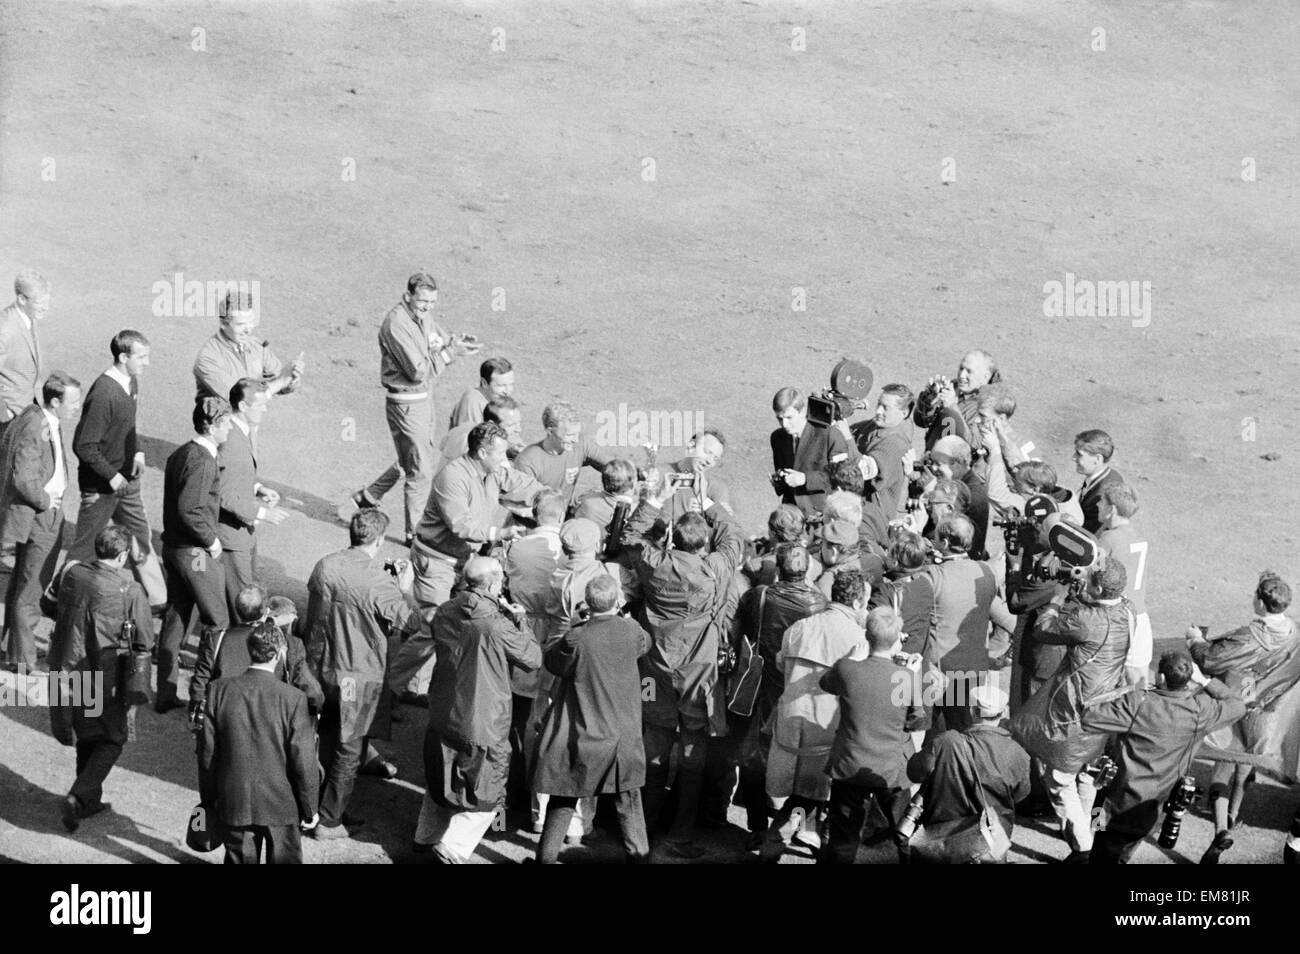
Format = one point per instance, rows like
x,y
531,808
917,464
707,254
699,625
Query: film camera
x,y
1021,530
395,567
1075,553
850,385
929,402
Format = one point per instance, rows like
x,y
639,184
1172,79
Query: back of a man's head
x,y
791,562
602,593
691,533
906,551
548,508
848,588
842,505
250,603
955,533
112,542
786,524
367,525
265,642
1109,581
1272,592
481,572
884,627
1176,668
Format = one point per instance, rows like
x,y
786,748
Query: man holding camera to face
x,y
803,452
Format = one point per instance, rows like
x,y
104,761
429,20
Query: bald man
x,y
959,413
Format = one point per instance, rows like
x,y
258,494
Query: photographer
x,y
97,601
353,605
802,452
961,772
1092,622
947,407
689,593
1159,731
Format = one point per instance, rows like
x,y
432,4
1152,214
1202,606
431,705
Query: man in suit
x,y
802,453
245,501
880,706
257,758
95,600
191,546
1092,453
20,348
35,476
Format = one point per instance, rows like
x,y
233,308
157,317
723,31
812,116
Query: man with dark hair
x,y
909,590
802,452
353,607
191,544
246,502
763,615
413,350
1093,625
257,758
1258,654
618,486
111,461
981,766
503,411
688,595
1093,450
784,525
950,458
96,602
805,716
703,454
966,602
467,744
234,352
1039,477
1158,732
1121,541
589,742
496,380
880,707
34,478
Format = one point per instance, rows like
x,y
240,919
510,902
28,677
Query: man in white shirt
x,y
35,476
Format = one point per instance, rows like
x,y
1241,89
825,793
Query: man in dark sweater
x,y
191,547
110,462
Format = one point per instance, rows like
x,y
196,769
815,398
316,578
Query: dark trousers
x,y
737,764
97,511
690,776
237,565
848,813
195,581
341,760
245,845
95,759
1113,847
34,561
631,822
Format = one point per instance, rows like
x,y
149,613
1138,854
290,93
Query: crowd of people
x,y
909,655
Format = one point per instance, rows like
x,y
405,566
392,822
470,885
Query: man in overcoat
x,y
590,742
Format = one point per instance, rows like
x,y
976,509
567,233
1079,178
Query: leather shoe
x,y
1222,842
352,821
89,811
162,707
71,813
323,832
